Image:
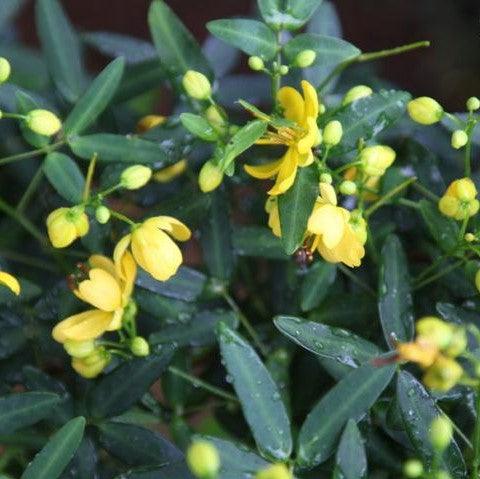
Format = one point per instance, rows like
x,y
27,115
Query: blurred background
x,y
449,70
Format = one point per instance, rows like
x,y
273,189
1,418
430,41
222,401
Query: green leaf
x,y
444,230
330,50
290,14
395,302
295,207
168,310
119,148
257,242
367,117
65,176
259,396
456,314
95,99
198,126
123,387
56,454
150,448
326,341
316,284
26,103
176,46
418,410
351,457
61,48
351,398
177,470
23,409
250,36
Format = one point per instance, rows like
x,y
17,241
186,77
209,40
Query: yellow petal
x,y
306,159
80,327
170,172
61,231
101,290
264,172
292,104
327,192
129,273
102,262
176,228
119,252
328,221
286,174
82,226
311,100
307,142
10,282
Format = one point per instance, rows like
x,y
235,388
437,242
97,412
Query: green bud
x,y
326,178
413,468
332,133
348,188
203,459
355,93
425,110
473,104
305,58
5,69
79,349
210,177
135,176
256,63
274,471
440,433
43,122
284,69
459,139
443,475
197,85
102,214
469,237
139,346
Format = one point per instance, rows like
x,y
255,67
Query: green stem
x,y
276,75
121,217
408,203
357,281
28,260
31,154
425,192
468,148
439,274
89,179
31,189
476,440
196,382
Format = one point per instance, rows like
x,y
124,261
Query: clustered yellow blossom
x,y
435,348
459,201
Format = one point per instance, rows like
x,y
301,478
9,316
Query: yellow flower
x,y
10,282
422,352
107,287
300,138
443,375
370,184
170,172
459,201
152,247
65,225
338,237
275,471
93,364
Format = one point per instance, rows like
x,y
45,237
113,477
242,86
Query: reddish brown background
x,y
449,70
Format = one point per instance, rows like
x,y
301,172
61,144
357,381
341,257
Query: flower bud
x,y
442,475
136,176
1,114
275,471
459,139
305,58
102,214
376,159
448,206
332,133
355,93
477,280
326,178
425,110
443,374
5,69
458,343
348,187
150,121
469,237
203,460
210,177
322,109
256,63
440,433
139,346
284,69
92,365
43,122
413,469
214,117
169,173
65,225
435,331
197,85
79,349
465,189
473,103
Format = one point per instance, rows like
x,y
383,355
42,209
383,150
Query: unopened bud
x,y
355,93
348,188
136,176
43,122
139,346
256,63
326,178
197,85
469,237
425,110
210,177
376,159
305,58
275,471
203,459
150,121
440,433
102,214
79,349
332,133
477,280
473,104
459,139
413,469
284,69
5,69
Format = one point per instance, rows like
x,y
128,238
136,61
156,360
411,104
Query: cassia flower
x,y
65,225
459,201
92,365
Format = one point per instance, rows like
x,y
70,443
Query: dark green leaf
x,y
23,409
295,207
95,99
250,36
418,410
169,471
119,390
9,10
395,303
61,48
198,126
168,310
351,398
257,241
259,396
456,314
54,457
351,457
316,284
291,14
65,176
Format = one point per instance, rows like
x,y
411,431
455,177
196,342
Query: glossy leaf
x,y
119,148
177,470
23,409
57,453
259,396
123,387
61,48
456,314
295,207
418,410
316,284
351,398
257,241
95,99
250,36
395,303
198,126
65,176
351,457
290,14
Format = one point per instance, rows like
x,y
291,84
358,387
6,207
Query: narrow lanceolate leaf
x,y
259,396
198,126
351,457
418,410
176,46
351,398
115,393
61,48
295,207
65,176
316,283
250,36
57,453
327,341
330,50
96,98
290,14
118,148
395,303
23,409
